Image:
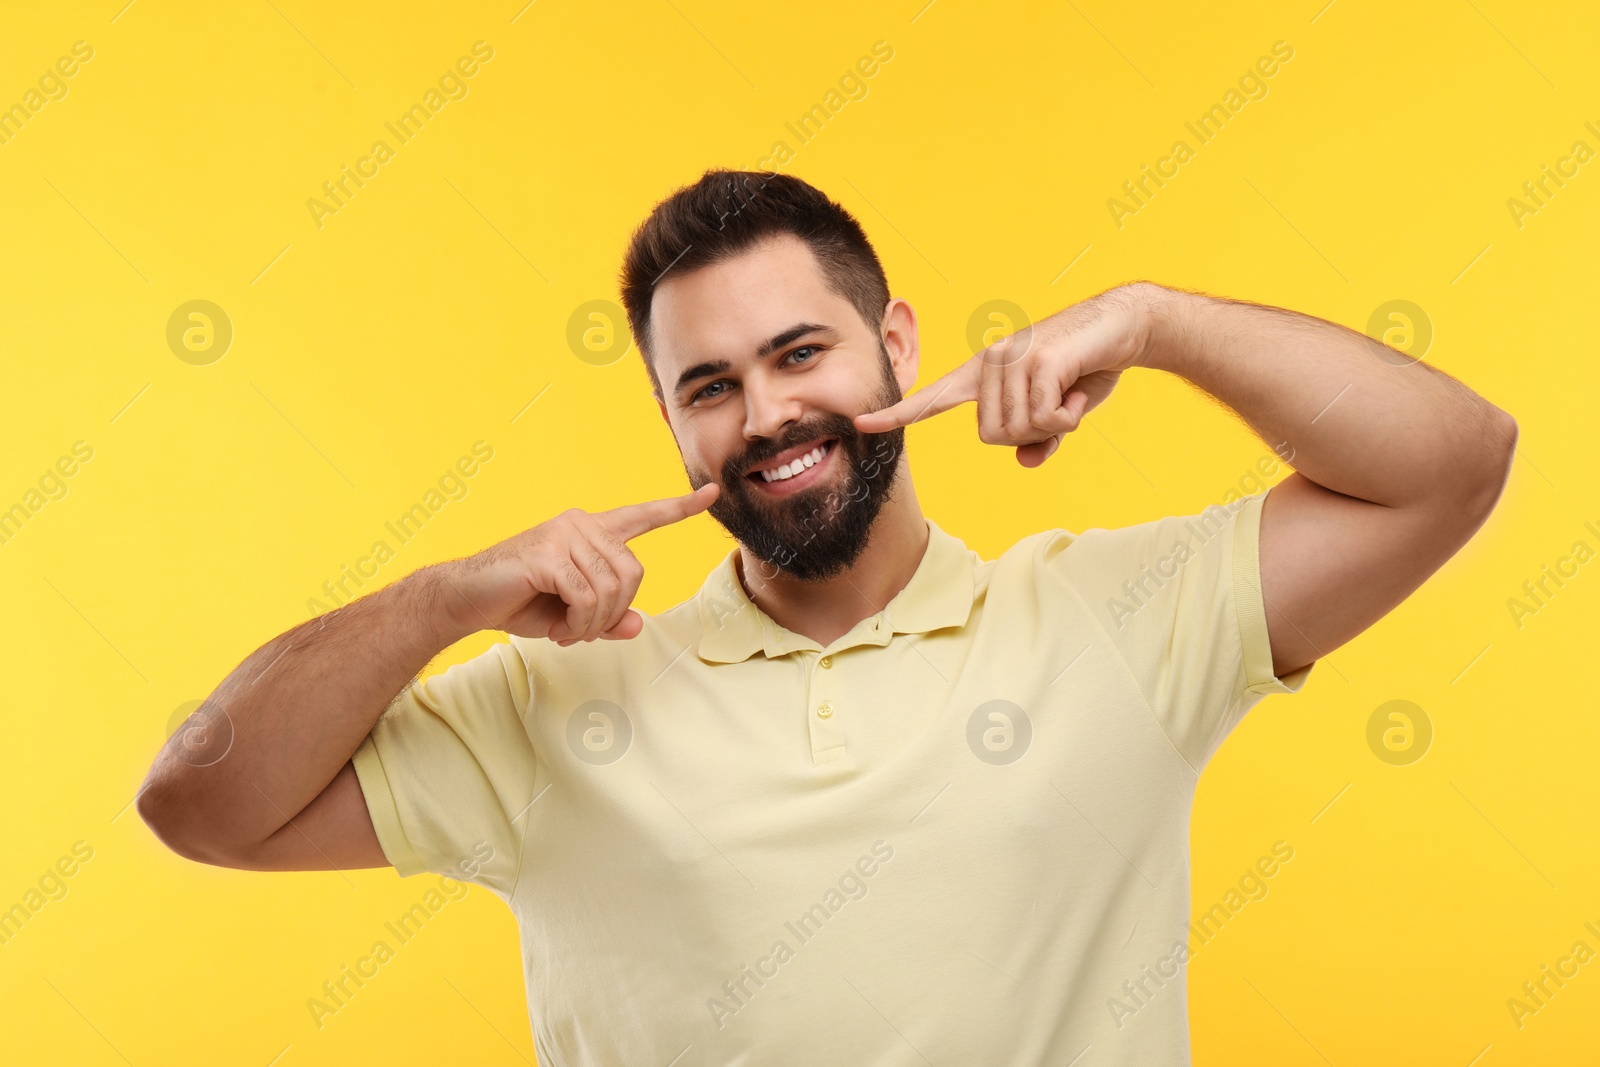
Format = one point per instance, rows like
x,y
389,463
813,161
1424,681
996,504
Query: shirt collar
x,y
939,594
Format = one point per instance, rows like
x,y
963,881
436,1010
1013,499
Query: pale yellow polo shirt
x,y
956,835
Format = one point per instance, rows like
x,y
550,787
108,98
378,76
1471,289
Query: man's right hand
x,y
571,578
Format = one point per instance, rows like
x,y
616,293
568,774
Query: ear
x,y
900,339
661,407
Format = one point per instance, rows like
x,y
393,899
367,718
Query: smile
x,y
796,473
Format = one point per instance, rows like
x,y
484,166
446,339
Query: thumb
x,y
631,626
1034,454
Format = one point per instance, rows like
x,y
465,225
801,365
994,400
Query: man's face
x,y
760,361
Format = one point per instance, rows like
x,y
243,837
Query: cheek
x,y
709,441
840,388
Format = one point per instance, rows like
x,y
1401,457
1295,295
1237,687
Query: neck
x,y
826,610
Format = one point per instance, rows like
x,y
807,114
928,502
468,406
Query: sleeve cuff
x,y
381,807
1251,606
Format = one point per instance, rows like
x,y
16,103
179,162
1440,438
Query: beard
x,y
818,532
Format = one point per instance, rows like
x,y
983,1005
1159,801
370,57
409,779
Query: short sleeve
x,y
1180,598
448,771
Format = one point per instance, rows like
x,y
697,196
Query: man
x,y
865,798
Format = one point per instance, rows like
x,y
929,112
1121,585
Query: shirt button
x,y
824,709
825,662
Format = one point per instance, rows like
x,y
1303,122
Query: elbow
x,y
1511,431
1508,430
1503,439
157,810
171,821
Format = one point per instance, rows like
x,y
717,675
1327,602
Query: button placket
x,y
824,711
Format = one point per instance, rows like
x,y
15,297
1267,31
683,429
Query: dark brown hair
x,y
727,212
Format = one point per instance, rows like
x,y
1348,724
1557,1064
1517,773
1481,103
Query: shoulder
x,y
1168,536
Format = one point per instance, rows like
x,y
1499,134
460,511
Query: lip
x,y
788,455
805,477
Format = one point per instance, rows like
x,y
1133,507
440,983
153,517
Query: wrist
x,y
442,607
1163,315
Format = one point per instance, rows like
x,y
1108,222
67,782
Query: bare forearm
x,y
1350,414
287,719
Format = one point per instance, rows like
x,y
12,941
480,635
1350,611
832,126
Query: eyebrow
x,y
765,349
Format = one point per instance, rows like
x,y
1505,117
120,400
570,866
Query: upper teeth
x,y
790,469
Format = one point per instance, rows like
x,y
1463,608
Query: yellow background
x,y
429,312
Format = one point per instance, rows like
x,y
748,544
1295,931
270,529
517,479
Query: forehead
x,y
727,309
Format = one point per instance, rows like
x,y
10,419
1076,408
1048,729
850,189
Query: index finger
x,y
631,520
958,387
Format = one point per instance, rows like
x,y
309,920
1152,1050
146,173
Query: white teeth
x,y
790,469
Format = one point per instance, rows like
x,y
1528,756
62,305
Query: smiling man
x,y
750,329
866,797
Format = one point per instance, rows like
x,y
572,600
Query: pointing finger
x,y
631,520
958,387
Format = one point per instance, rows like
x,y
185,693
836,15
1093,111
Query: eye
x,y
704,392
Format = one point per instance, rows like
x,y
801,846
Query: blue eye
x,y
705,392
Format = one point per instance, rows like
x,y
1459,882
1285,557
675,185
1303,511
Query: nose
x,y
768,408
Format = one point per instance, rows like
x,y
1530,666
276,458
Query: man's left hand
x,y
1037,384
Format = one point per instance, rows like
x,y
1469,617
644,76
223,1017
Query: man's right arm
x,y
260,776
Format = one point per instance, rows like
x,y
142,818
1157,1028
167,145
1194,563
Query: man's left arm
x,y
1397,463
